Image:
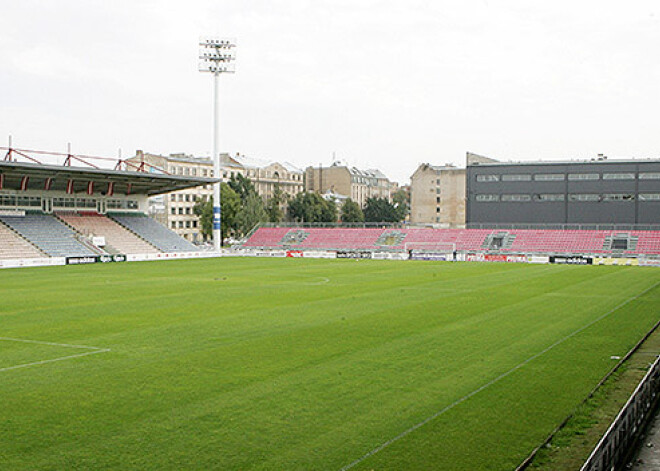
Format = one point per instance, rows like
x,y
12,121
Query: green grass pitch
x,y
273,364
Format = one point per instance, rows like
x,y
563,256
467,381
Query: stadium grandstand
x,y
65,205
516,241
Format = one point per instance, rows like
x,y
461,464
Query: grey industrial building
x,y
599,191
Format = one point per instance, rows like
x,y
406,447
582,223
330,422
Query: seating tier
x,y
524,240
155,233
49,234
12,246
117,237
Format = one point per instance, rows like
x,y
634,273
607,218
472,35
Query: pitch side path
x,y
237,364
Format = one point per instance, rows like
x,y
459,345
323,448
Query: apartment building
x,y
176,209
437,196
359,185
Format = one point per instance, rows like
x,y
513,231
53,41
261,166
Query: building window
x,y
488,178
181,210
487,198
173,224
549,177
437,199
583,197
583,176
649,176
618,197
30,201
517,178
549,197
516,198
10,200
172,197
173,210
649,196
618,176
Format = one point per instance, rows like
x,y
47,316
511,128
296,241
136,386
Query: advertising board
x,y
359,254
572,260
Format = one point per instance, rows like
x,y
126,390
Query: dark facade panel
x,y
597,192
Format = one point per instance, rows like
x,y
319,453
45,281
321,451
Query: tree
x,y
351,212
274,205
380,210
311,207
243,186
229,205
401,200
252,212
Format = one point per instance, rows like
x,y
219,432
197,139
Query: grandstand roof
x,y
133,182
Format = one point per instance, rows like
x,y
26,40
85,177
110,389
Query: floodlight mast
x,y
216,56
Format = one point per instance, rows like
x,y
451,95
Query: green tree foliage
x,y
311,207
243,186
351,212
230,203
401,200
251,209
380,210
252,212
274,205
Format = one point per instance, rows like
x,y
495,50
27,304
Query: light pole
x,y
216,55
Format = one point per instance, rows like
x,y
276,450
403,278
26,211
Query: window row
x,y
122,204
575,197
184,224
20,201
68,202
181,210
88,203
553,177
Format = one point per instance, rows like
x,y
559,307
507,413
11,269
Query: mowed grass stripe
x,y
491,383
282,376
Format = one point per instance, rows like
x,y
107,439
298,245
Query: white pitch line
x,y
323,281
94,351
384,445
24,365
40,342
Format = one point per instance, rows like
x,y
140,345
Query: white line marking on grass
x,y
94,351
40,342
42,362
384,445
323,281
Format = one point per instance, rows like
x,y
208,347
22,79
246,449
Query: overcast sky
x,y
385,84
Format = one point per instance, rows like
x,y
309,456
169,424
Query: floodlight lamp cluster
x,y
216,55
224,43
